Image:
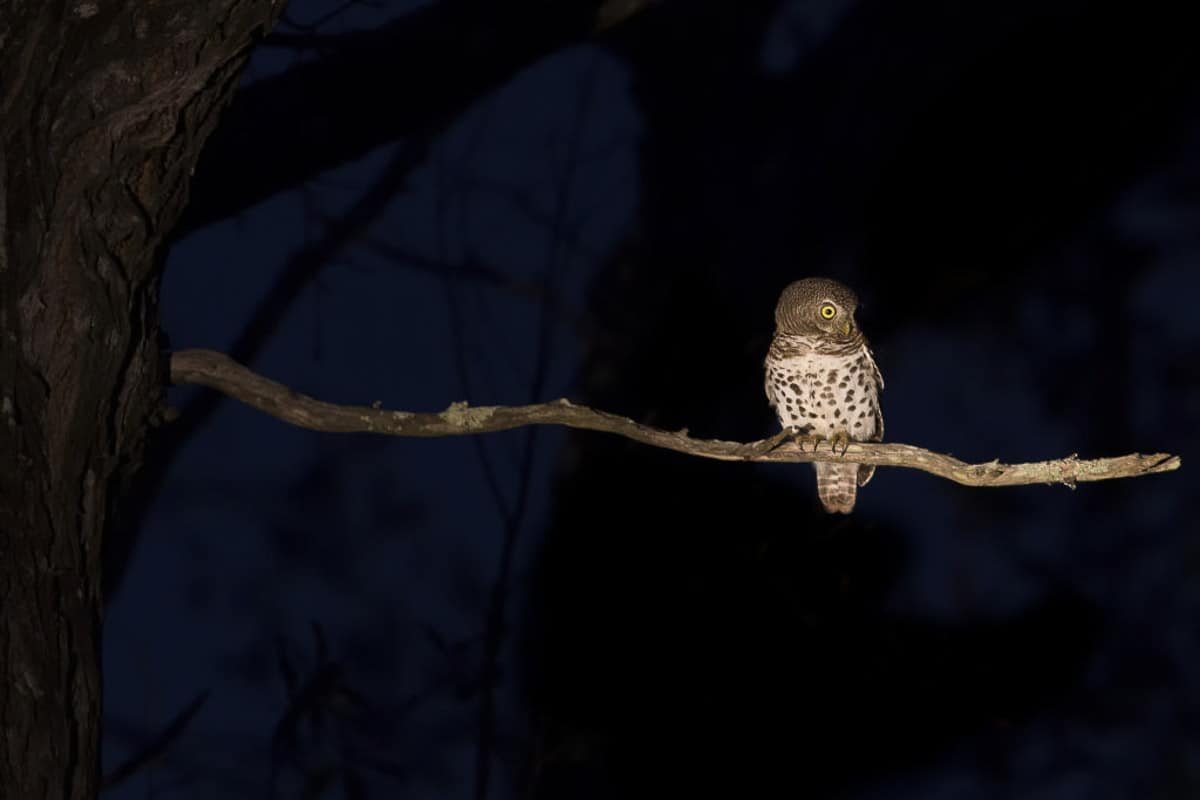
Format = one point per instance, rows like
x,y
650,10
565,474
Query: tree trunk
x,y
103,110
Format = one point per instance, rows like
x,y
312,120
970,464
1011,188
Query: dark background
x,y
1013,189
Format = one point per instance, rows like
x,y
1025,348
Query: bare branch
x,y
156,748
218,371
613,12
284,129
301,268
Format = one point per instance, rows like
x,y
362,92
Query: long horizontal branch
x,y
218,371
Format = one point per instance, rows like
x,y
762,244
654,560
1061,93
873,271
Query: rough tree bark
x,y
103,110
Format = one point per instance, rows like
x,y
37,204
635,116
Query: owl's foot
x,y
811,440
792,433
767,445
839,439
804,436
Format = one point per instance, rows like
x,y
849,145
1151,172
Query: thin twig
x,y
158,746
558,256
491,477
218,371
301,268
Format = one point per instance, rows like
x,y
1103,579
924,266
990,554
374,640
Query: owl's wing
x,y
768,386
875,373
875,369
867,471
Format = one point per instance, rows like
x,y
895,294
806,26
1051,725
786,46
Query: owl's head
x,y
817,307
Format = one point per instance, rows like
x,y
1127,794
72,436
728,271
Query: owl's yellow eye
x,y
828,311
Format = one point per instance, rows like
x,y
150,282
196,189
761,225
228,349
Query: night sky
x,y
1012,188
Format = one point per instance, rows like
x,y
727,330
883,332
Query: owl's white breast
x,y
826,393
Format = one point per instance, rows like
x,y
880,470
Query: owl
x,y
822,381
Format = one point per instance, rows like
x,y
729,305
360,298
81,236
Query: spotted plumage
x,y
822,380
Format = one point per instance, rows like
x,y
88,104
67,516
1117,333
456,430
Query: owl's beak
x,y
846,326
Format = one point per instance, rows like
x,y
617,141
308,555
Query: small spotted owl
x,y
822,379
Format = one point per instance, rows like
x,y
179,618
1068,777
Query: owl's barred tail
x,y
837,486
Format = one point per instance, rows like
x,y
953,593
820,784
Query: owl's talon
x,y
801,437
839,438
792,433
